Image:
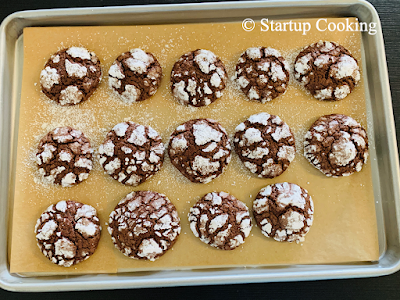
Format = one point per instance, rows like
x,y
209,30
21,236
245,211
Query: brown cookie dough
x,y
144,225
262,74
131,153
265,144
135,76
70,76
198,78
68,232
220,220
284,211
200,149
336,145
327,70
64,157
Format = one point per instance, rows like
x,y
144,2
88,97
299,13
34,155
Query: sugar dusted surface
x,y
99,114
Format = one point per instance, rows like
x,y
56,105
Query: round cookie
x,y
284,211
336,145
135,76
68,232
144,225
200,149
265,144
71,76
262,74
198,78
131,153
327,70
220,220
64,157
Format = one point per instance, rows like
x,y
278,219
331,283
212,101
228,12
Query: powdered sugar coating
x,y
284,211
206,60
327,70
200,149
70,76
79,52
265,145
134,76
66,237
262,74
49,77
220,220
63,155
75,69
346,67
336,145
70,95
204,134
131,153
198,78
144,225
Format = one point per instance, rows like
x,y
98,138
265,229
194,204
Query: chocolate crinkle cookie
x,y
135,76
144,225
220,220
284,211
327,70
64,157
265,144
71,76
68,232
262,74
198,78
336,145
200,149
131,153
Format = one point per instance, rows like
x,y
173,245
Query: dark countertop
x,y
387,287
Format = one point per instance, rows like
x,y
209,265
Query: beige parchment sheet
x,y
344,228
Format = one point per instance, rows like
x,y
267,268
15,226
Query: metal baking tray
x,y
385,164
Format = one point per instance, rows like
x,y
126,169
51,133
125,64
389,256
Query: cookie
x,y
144,225
135,76
265,144
131,153
220,220
64,157
198,78
336,145
284,211
262,74
327,70
68,232
71,76
200,149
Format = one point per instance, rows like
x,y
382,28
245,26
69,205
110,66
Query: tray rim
x,y
104,281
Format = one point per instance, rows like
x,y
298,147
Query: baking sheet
x,y
344,228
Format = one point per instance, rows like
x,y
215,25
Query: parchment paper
x,y
344,228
